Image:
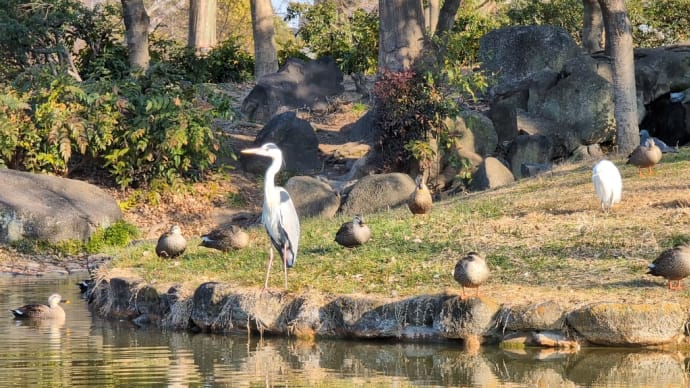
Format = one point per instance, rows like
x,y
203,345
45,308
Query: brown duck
x,y
672,264
420,201
353,233
226,238
471,271
41,311
646,155
171,244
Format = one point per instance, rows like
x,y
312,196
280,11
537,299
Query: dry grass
x,y
544,238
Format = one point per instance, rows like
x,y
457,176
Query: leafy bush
x,y
563,13
140,129
411,109
350,39
658,23
654,23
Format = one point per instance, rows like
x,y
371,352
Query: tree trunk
x,y
431,12
619,46
401,34
202,25
136,33
265,57
446,16
592,26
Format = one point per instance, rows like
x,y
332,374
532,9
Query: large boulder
x,y
296,85
491,174
467,318
622,324
549,315
528,149
50,208
377,192
296,139
516,52
312,197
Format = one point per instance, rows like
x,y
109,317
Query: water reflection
x,y
84,351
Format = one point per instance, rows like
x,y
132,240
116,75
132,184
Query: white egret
x,y
607,184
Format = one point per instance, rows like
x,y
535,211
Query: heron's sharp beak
x,y
250,151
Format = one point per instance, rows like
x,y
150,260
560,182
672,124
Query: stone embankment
x,y
220,308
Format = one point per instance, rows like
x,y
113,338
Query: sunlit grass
x,y
545,232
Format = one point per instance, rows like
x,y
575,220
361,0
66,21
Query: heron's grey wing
x,y
289,221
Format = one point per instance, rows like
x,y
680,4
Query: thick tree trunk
x,y
592,26
619,46
265,57
202,25
401,35
136,33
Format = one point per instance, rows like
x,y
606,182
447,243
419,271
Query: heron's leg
x,y
268,267
285,249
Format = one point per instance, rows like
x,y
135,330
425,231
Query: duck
x,y
41,311
84,285
353,233
171,244
672,264
471,271
225,238
420,201
646,155
607,184
665,148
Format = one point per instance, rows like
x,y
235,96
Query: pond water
x,y
88,351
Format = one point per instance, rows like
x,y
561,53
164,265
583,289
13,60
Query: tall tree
x,y
202,25
619,46
401,34
136,33
265,56
431,13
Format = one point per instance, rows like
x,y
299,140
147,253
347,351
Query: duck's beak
x,y
65,301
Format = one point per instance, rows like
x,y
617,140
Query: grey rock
x,y
514,53
51,208
312,197
528,149
296,85
460,318
534,169
549,315
480,134
491,174
620,324
296,139
378,192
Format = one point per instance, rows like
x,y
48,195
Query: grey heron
x,y
471,271
353,233
278,214
171,244
607,184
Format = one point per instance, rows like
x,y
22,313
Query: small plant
x,y
119,234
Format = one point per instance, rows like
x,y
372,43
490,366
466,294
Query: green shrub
x,y
350,39
658,23
119,234
563,13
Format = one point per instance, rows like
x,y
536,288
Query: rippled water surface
x,y
87,351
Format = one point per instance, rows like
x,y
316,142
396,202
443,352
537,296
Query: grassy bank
x,y
544,238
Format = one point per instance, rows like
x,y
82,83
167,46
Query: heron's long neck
x,y
269,184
